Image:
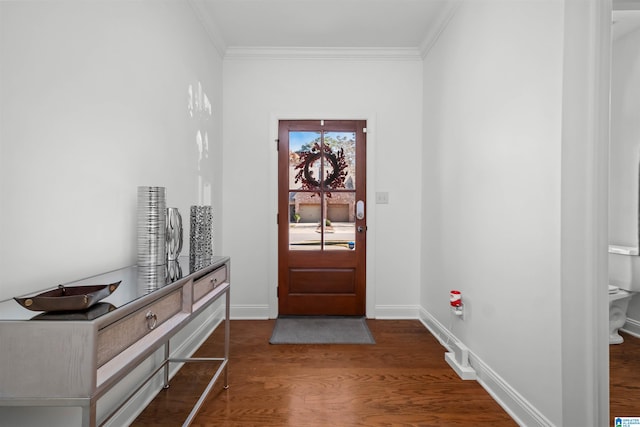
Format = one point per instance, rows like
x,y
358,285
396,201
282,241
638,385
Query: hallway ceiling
x,y
364,24
321,23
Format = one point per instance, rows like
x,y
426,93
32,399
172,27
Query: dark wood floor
x,y
624,378
401,380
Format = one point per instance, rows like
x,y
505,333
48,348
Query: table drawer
x,y
120,335
209,282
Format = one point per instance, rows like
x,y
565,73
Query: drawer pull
x,y
152,320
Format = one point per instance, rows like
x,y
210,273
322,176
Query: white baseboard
x,y
632,327
397,311
522,411
250,312
261,312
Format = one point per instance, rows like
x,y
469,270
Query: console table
x,y
72,359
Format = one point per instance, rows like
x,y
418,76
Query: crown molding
x,y
210,27
440,23
325,53
625,5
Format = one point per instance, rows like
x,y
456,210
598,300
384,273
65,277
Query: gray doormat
x,y
321,330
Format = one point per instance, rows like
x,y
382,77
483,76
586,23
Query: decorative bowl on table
x,y
67,298
90,313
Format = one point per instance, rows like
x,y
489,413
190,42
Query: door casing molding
x,y
584,212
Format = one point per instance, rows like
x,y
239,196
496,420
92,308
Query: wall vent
x,y
458,359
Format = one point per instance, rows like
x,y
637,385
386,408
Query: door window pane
x,y
340,160
304,164
305,215
340,227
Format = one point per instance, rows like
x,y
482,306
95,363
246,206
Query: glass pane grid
x,y
322,190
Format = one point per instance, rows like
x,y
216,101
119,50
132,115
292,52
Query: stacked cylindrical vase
x,y
151,226
200,241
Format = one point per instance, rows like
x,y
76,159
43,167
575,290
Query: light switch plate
x,y
382,197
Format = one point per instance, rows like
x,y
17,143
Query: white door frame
x,y
584,206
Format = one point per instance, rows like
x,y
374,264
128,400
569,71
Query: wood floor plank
x,y
401,380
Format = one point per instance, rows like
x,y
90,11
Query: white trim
x,y
440,24
518,408
324,53
626,5
632,327
371,214
436,329
209,26
272,280
584,306
250,312
397,311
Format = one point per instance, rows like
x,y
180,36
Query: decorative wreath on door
x,y
335,179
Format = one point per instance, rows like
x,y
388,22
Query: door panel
x,y
321,254
316,280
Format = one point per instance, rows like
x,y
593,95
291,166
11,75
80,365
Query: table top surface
x,y
135,282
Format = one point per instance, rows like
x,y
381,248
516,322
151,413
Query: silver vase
x,y
173,234
150,278
173,271
200,243
151,226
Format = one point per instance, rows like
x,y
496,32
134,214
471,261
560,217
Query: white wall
x,y
625,140
258,92
96,99
491,193
625,147
94,102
